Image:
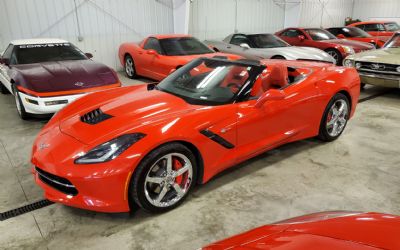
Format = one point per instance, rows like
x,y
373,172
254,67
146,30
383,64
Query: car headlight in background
x,y
348,50
109,150
348,63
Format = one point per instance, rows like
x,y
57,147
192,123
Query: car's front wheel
x,y
130,69
336,55
335,118
20,106
164,178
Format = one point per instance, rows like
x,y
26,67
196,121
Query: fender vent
x,y
94,117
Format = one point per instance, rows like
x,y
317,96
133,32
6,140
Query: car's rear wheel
x,y
130,70
20,106
335,118
164,178
336,55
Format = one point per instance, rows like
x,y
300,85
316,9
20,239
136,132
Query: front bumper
x,y
383,80
99,187
37,105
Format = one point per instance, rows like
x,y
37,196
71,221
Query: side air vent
x,y
94,117
218,139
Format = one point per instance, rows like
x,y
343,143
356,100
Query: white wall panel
x,y
217,19
376,9
104,24
325,13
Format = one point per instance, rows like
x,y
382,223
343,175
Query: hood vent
x,y
95,116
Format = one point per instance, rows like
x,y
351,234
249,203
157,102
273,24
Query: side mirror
x,y
341,36
301,37
5,61
270,95
152,52
244,46
89,55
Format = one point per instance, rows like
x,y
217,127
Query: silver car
x,y
267,46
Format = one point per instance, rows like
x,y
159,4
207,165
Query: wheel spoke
x,y
157,180
168,158
161,195
178,190
182,170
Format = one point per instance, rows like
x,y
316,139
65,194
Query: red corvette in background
x,y
150,144
157,56
337,230
324,40
377,28
357,34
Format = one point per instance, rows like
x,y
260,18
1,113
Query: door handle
x,y
228,47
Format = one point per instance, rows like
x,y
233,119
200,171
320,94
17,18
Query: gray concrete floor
x,y
360,171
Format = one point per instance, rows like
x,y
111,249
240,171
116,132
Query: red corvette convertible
x,y
378,28
324,40
356,34
157,56
326,230
150,144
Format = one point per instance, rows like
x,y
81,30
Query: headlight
x,y
109,150
348,63
348,50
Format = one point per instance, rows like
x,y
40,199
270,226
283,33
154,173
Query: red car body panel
x,y
325,44
158,66
366,231
374,33
379,41
166,118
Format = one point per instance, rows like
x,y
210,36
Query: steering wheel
x,y
234,87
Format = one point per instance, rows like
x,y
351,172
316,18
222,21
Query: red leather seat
x,y
276,77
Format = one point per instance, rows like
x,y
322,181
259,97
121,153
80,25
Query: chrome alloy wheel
x,y
168,180
130,71
334,54
337,117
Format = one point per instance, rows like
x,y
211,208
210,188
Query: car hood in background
x,y
390,56
65,75
298,53
354,44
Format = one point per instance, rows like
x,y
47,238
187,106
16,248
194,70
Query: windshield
x,y
320,34
394,42
36,53
209,81
355,32
181,46
267,41
392,26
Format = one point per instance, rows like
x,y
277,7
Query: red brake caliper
x,y
329,117
176,166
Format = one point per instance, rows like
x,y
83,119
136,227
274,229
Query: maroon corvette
x,y
44,75
324,40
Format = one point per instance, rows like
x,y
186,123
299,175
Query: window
x,y
392,26
153,43
320,34
374,27
8,51
336,31
180,46
292,33
239,39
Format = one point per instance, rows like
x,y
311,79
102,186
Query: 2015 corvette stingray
x,y
149,145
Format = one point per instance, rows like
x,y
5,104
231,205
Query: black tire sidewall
x,y
136,189
24,115
133,65
323,133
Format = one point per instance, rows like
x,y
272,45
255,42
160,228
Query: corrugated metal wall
x,y
325,13
217,19
366,9
104,24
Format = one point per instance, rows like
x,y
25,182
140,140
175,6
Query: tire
x,y
336,55
278,57
334,118
129,67
150,179
362,86
3,89
19,105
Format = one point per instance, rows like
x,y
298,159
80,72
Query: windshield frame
x,y
17,48
207,50
253,36
330,35
241,94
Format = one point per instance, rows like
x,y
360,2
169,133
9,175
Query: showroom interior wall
x,y
96,26
373,9
217,19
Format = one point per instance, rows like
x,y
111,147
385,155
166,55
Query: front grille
x,y
377,67
61,184
95,116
